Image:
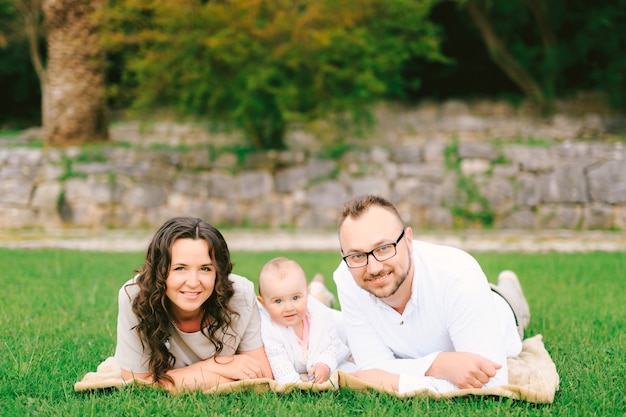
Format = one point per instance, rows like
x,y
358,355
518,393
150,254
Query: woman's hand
x,y
213,371
237,367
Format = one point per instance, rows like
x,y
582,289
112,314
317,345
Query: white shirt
x,y
451,309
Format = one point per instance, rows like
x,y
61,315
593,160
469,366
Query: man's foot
x,y
318,289
511,289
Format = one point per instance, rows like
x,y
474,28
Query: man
x,y
420,315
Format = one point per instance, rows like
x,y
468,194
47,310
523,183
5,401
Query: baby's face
x,y
285,299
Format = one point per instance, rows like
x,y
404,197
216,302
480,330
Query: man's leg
x,y
510,289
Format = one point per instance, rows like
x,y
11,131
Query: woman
x,y
185,322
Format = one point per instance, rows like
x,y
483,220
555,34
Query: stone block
x,y
156,217
130,217
223,186
291,157
16,217
320,168
145,195
226,160
450,194
597,216
505,171
409,153
531,159
609,151
98,191
316,218
178,202
528,190
523,219
326,195
379,155
291,179
196,159
218,211
559,216
438,218
569,149
565,185
233,214
197,184
425,172
473,166
255,184
270,212
619,215
84,214
93,168
499,193
15,192
16,172
478,150
417,193
369,185
27,157
607,182
46,218
46,195
434,151
49,172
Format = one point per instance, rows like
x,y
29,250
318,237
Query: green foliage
x,y
258,65
562,46
50,342
470,206
21,95
597,45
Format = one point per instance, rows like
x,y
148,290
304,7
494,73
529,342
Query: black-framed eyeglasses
x,y
381,253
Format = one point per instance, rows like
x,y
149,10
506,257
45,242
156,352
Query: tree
x,y
540,44
259,65
71,70
73,82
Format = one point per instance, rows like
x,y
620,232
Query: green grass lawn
x,y
58,316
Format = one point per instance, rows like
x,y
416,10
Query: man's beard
x,y
398,283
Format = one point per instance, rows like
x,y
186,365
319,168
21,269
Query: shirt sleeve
x,y
129,351
473,323
249,322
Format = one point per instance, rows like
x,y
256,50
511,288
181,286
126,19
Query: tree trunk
x,y
74,101
501,56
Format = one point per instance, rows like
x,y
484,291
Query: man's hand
x,y
463,369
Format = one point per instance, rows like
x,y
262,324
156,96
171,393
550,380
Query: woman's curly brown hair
x,y
151,305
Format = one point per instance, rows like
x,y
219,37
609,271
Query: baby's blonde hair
x,y
278,268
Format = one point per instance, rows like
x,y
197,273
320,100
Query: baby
x,y
300,334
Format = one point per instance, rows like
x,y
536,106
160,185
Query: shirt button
x,y
402,323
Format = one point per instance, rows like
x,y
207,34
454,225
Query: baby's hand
x,y
319,373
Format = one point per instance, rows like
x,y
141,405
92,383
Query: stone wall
x,y
445,165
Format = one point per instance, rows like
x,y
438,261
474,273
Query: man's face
x,y
374,228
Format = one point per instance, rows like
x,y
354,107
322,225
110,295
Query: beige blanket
x,y
532,377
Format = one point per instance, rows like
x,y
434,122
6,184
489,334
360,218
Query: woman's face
x,y
191,278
